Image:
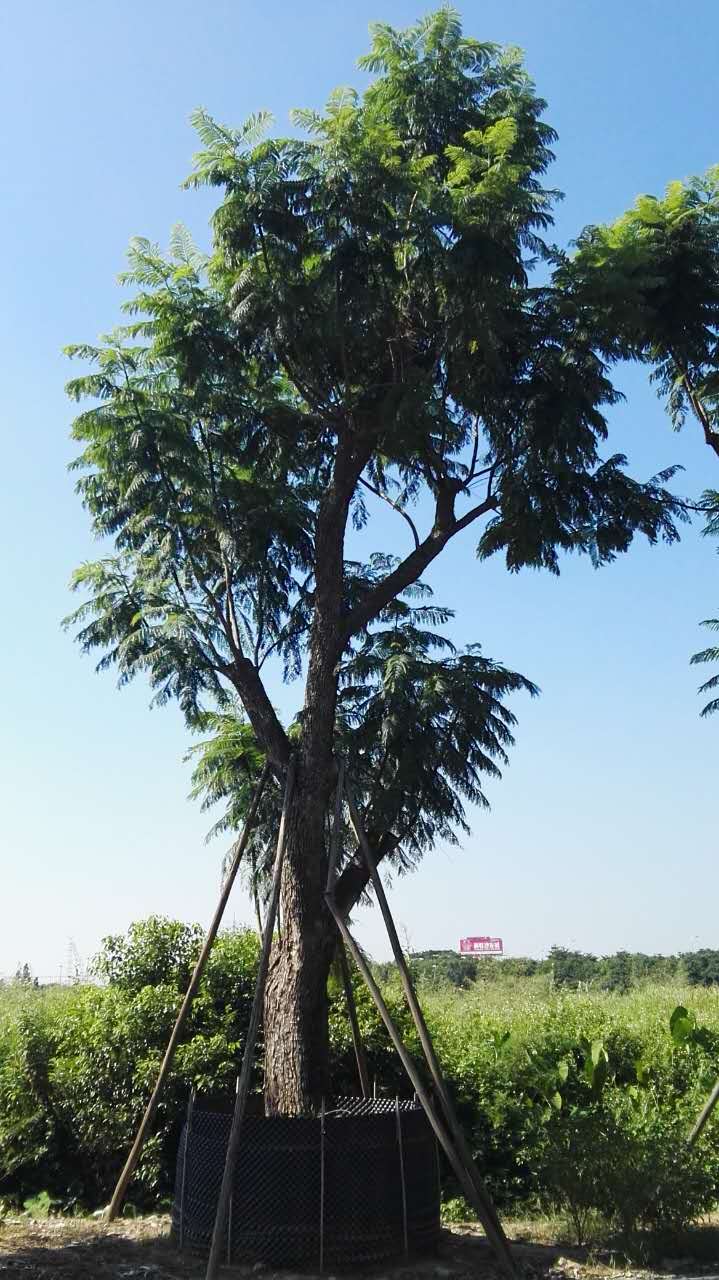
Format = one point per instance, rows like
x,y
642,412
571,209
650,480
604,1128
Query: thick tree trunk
x,y
295,1016
296,1032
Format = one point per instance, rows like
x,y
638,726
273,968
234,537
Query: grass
x,y
531,1011
522,1001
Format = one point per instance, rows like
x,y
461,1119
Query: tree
x,y
701,967
572,968
616,972
367,330
650,285
153,952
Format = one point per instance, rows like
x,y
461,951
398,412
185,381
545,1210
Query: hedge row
x,y
578,1102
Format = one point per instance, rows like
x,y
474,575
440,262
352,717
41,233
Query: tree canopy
x,y
381,323
650,284
369,321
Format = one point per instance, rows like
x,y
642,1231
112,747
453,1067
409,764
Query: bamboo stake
x,y
704,1115
418,1018
403,1180
142,1133
357,1042
188,1135
496,1237
335,838
335,842
322,1187
243,1089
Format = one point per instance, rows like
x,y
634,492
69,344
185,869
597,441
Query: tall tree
x,y
367,330
649,283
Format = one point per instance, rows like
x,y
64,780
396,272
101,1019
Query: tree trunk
x,y
295,1016
296,1031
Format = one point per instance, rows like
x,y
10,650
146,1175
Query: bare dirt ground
x,y
141,1249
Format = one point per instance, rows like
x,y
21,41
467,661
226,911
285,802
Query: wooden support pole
x,y
146,1122
704,1115
403,1179
481,1194
336,834
357,1041
496,1238
332,867
248,1054
188,1137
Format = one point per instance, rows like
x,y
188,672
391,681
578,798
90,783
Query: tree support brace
x,y
146,1122
248,1054
447,1131
704,1115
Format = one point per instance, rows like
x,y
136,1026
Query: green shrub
x,y
582,1103
577,1103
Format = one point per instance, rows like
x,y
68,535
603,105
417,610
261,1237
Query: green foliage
x,y
77,1066
368,322
38,1206
701,967
573,1102
653,278
418,732
153,952
571,968
585,1105
649,285
563,968
457,1209
618,973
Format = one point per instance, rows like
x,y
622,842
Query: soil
x,y
141,1249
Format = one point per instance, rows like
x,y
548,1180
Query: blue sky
x,y
603,832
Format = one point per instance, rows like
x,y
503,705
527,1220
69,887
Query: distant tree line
x,y
564,967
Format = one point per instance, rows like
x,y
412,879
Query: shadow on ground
x,y
78,1249
73,1249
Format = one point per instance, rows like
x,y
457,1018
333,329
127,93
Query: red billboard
x,y
481,947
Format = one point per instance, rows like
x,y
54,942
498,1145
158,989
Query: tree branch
x,y
710,435
395,506
445,527
353,881
252,693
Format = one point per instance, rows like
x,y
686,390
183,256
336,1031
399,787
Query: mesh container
x,y
357,1185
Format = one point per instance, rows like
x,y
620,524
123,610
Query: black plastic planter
x,y
359,1185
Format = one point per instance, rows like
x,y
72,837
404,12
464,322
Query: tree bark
x,y
296,1031
295,1017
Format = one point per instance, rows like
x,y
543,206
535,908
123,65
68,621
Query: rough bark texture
x,y
296,1034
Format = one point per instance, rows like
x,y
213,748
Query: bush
x,y
77,1066
581,1104
577,1103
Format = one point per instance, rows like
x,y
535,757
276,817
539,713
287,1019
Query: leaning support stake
x,y
453,1143
495,1235
704,1115
415,1008
248,1055
357,1041
496,1238
188,1135
335,840
146,1122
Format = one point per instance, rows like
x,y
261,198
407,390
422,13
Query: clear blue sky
x,y
603,832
